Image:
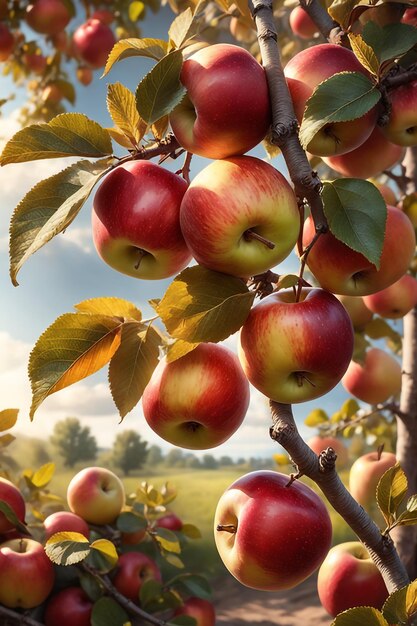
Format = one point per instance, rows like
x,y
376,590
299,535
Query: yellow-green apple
x,y
394,301
271,535
287,348
170,521
410,16
301,23
386,191
318,444
375,380
65,521
69,607
304,72
96,494
12,496
348,577
93,42
344,271
48,16
220,116
133,569
408,204
7,42
240,216
202,611
136,221
199,400
358,311
365,474
402,125
371,158
26,574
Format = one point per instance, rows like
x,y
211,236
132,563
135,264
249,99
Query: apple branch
x,y
166,148
327,27
321,469
12,617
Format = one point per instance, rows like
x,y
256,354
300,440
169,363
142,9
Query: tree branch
x,y
327,27
167,147
13,617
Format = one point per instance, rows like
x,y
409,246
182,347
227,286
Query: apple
x,y
375,380
52,94
303,73
104,15
132,539
408,205
202,611
136,221
133,569
386,191
96,494
394,301
402,125
269,535
60,41
65,521
199,400
226,110
48,17
301,23
26,574
229,205
35,62
365,474
170,521
84,75
359,313
344,271
410,16
7,42
93,42
349,578
69,607
287,348
371,158
11,495
318,444
242,29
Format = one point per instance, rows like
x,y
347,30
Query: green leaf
x,y
67,548
11,516
73,347
167,540
316,417
43,475
8,418
191,531
121,105
203,305
117,307
49,208
391,491
401,605
107,551
349,408
129,522
357,215
173,560
363,616
133,364
194,585
151,48
409,516
136,8
90,585
180,27
391,41
69,134
106,612
341,98
149,592
364,53
161,90
286,281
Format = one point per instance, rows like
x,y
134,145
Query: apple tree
x,y
334,89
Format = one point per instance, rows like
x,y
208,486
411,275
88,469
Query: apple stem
x,y
301,376
251,234
141,254
293,478
380,451
229,528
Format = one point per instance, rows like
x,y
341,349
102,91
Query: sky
x,y
68,270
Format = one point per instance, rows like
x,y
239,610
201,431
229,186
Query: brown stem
x,y
228,528
327,27
251,234
186,167
141,253
401,77
17,618
168,147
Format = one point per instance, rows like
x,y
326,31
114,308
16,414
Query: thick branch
x,y
168,147
401,78
327,27
8,616
322,470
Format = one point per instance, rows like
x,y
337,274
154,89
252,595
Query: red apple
x,y
104,15
26,574
132,539
202,611
169,521
271,536
7,42
199,400
394,301
410,16
402,125
52,94
96,494
231,202
69,607
84,75
93,42
287,348
301,23
133,569
365,474
11,495
226,109
348,578
304,72
318,444
65,521
386,191
376,380
341,270
358,311
48,17
60,41
34,62
136,221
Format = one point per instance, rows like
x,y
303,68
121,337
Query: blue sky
x,y
68,270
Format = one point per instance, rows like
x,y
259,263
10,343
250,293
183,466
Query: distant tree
x,y
154,456
129,451
73,441
225,461
175,458
192,461
209,462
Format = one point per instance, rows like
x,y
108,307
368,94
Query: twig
x,y
327,27
18,618
166,148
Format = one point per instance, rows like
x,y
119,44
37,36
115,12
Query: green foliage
x,y
106,612
365,616
401,605
73,442
129,451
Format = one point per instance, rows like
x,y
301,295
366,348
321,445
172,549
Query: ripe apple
x,y
199,400
52,94
65,521
7,42
371,158
304,72
287,348
208,121
231,203
341,270
26,574
269,535
132,539
170,521
35,62
84,75
365,474
202,611
69,607
60,41
376,380
48,16
301,23
402,125
11,495
410,16
386,191
394,301
96,494
136,221
318,444
359,313
348,578
93,42
133,569
242,29
104,15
